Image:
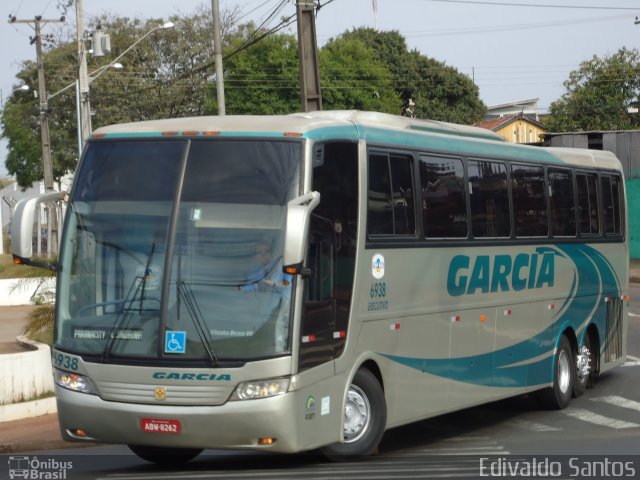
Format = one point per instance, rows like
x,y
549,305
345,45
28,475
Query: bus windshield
x,y
173,250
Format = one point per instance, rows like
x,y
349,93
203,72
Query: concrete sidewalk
x,y
43,433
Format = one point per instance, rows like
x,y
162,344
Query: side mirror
x,y
24,217
297,229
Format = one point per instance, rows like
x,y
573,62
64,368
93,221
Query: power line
x,y
506,28
535,5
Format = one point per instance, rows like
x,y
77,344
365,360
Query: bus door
x,y
330,254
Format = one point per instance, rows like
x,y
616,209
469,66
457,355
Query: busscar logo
x,y
37,468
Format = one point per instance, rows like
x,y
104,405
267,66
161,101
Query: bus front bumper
x,y
235,425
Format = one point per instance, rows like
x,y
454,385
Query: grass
x,y
40,327
10,270
42,396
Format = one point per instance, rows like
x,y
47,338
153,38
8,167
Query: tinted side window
x,y
390,205
489,199
588,203
611,205
444,204
529,201
561,202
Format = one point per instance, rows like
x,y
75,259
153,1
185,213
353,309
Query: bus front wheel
x,y
365,418
559,394
165,455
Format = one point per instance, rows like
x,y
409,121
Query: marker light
x,y
291,270
73,381
261,389
266,441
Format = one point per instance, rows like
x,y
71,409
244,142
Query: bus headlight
x,y
261,389
73,381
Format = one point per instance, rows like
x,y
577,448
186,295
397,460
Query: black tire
x,y
558,396
582,382
165,455
365,419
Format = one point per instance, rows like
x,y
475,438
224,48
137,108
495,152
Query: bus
x,y
308,281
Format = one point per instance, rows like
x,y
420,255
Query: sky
x,y
513,49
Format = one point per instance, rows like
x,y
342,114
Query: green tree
x,y
352,77
598,95
438,91
170,74
261,79
163,76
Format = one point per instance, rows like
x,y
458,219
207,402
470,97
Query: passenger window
x,y
444,203
561,202
489,199
391,205
611,205
529,201
588,203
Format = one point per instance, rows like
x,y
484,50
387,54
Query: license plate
x,y
159,425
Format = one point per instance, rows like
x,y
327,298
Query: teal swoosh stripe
x,y
503,368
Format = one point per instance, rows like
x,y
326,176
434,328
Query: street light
x,y
164,26
21,88
83,108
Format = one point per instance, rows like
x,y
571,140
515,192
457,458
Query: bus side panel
x,y
471,326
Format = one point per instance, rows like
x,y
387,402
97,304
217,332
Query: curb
x,y
27,375
34,408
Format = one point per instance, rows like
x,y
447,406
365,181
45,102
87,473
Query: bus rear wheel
x,y
165,455
585,367
365,419
559,394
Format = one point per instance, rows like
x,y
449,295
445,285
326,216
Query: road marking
x,y
618,401
532,426
597,419
631,361
463,450
633,314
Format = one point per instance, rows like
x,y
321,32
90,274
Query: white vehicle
x,y
284,283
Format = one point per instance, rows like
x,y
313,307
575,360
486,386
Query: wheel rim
x,y
564,371
357,414
583,364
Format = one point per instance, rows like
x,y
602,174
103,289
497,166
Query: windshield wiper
x,y
193,309
138,284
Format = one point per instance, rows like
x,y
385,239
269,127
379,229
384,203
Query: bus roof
x,y
302,123
334,123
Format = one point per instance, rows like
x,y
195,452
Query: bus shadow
x,y
469,422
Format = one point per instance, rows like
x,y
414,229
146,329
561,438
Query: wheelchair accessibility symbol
x,y
175,342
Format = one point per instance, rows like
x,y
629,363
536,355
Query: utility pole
x,y
83,79
38,22
308,56
217,52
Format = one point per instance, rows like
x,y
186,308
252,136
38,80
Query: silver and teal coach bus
x,y
286,283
